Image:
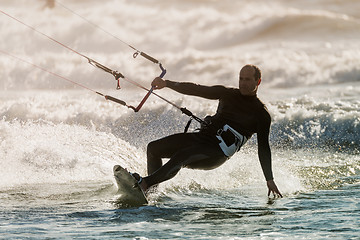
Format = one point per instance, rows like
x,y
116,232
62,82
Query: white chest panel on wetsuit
x,y
231,149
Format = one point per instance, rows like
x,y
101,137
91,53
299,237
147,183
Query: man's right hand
x,y
158,83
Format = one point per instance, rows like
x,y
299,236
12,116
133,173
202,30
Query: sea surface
x,y
59,141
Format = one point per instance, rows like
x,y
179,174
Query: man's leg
x,y
166,148
196,156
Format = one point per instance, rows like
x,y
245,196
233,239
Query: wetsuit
x,y
200,150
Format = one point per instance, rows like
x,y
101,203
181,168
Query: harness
x,y
230,140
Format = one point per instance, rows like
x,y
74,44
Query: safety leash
x,y
108,97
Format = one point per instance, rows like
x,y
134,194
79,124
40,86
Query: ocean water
x,y
59,142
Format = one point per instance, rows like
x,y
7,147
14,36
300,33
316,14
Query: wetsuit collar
x,y
251,97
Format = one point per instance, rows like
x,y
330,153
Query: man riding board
x,y
239,115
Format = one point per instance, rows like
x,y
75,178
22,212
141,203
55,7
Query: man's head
x,y
249,80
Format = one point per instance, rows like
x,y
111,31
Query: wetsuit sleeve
x,y
264,151
213,92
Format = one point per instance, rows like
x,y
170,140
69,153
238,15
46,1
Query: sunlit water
x,y
58,143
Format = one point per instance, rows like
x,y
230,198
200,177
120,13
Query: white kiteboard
x,y
128,188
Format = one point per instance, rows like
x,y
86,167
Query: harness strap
x,y
239,140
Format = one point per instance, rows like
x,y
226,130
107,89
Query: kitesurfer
x,y
239,115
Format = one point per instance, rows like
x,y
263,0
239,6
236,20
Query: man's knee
x,y
151,148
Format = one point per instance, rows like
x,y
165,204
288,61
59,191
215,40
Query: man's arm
x,y
213,92
264,153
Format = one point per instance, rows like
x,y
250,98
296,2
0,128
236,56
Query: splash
x,y
43,152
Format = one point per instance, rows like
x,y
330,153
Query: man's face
x,y
247,83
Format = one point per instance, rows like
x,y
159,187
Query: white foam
x,y
41,152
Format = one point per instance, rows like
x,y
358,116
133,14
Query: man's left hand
x,y
273,189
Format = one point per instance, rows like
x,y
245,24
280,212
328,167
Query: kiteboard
x,y
130,193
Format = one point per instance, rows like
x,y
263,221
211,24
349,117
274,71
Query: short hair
x,y
257,73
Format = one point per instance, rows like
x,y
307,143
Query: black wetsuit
x,y
246,114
